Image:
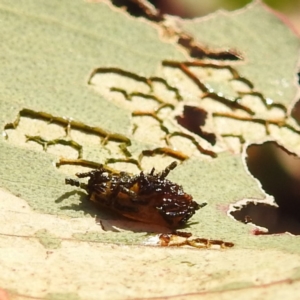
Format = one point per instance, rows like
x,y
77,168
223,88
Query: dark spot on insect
x,y
192,119
146,197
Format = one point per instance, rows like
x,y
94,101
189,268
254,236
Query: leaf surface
x,y
81,80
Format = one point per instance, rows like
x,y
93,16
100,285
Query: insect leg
x,y
127,191
77,183
87,174
167,170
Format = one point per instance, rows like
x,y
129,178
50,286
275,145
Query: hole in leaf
x,y
192,119
296,109
131,7
279,174
140,8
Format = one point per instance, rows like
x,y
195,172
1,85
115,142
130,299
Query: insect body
x,y
149,198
